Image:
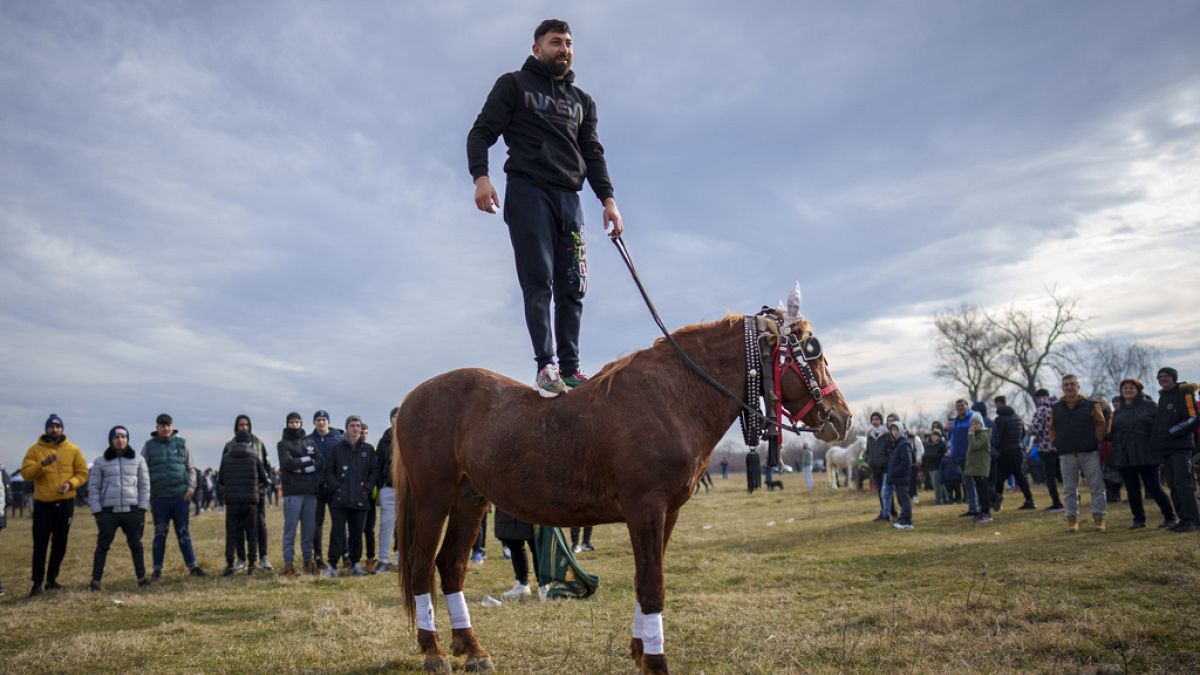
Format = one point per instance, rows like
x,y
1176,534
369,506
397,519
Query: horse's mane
x,y
606,374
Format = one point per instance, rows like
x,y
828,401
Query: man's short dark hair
x,y
551,26
1000,400
163,419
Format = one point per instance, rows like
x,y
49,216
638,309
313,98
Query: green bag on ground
x,y
558,568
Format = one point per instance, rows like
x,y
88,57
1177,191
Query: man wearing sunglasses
x,y
57,468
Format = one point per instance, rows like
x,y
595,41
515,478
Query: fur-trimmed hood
x,y
1185,387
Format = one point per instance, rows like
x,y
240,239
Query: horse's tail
x,y
405,521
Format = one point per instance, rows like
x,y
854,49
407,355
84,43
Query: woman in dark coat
x,y
514,534
1131,424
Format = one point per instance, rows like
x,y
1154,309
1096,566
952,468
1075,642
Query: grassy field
x,y
776,582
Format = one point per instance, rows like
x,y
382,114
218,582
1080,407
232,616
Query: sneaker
x,y
36,590
507,553
251,571
519,589
476,557
95,586
971,514
198,571
899,525
383,568
1055,509
1137,525
265,564
330,573
143,582
983,518
1183,526
241,565
1027,506
543,592
229,571
549,383
358,570
53,585
587,547
1168,524
576,549
575,379
156,575
881,519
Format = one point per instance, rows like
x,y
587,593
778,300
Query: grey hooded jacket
x,y
119,482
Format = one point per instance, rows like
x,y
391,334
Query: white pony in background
x,y
844,458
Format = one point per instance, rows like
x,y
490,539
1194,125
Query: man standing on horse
x,y
549,126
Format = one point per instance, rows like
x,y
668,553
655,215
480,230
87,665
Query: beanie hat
x,y
320,413
294,416
113,432
976,417
353,418
1170,371
53,419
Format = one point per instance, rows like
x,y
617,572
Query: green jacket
x,y
979,454
172,473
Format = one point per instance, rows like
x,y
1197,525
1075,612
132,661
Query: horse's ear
x,y
793,303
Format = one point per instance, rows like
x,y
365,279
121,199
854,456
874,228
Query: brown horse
x,y
628,446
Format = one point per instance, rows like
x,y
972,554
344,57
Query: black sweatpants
x,y
369,528
1010,463
133,524
241,533
520,566
262,525
587,535
983,489
341,520
1137,476
322,505
1053,474
51,526
545,226
1178,473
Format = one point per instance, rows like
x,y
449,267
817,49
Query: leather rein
x,y
763,329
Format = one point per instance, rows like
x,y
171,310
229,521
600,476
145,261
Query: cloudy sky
x,y
214,208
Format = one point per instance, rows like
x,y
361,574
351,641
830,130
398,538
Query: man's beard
x,y
555,68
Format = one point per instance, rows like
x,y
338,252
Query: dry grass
x,y
821,589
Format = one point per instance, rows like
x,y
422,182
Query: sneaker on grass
x,y
519,589
549,382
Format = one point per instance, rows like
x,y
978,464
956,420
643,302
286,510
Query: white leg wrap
x,y
456,604
425,612
639,620
652,634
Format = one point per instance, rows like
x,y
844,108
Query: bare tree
x,y
1037,340
965,344
986,350
1107,362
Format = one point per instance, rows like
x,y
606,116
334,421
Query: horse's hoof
x,y
436,664
480,664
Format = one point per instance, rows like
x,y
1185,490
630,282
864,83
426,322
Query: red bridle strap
x,y
789,363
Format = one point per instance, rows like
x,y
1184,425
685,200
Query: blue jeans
x,y
886,503
166,510
972,493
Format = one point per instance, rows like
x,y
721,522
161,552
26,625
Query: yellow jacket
x,y
68,468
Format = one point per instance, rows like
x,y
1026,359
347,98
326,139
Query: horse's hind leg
x,y
465,515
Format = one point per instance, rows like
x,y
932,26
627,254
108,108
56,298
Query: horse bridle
x,y
789,351
773,324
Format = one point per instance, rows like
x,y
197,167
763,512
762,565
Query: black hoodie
x,y
1009,430
256,443
242,474
549,127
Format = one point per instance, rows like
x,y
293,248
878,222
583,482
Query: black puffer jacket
x,y
384,450
242,474
351,475
1174,406
1131,427
301,467
1009,431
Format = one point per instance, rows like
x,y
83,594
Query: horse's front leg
x,y
461,532
649,534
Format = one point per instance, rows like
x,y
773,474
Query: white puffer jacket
x,y
119,482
